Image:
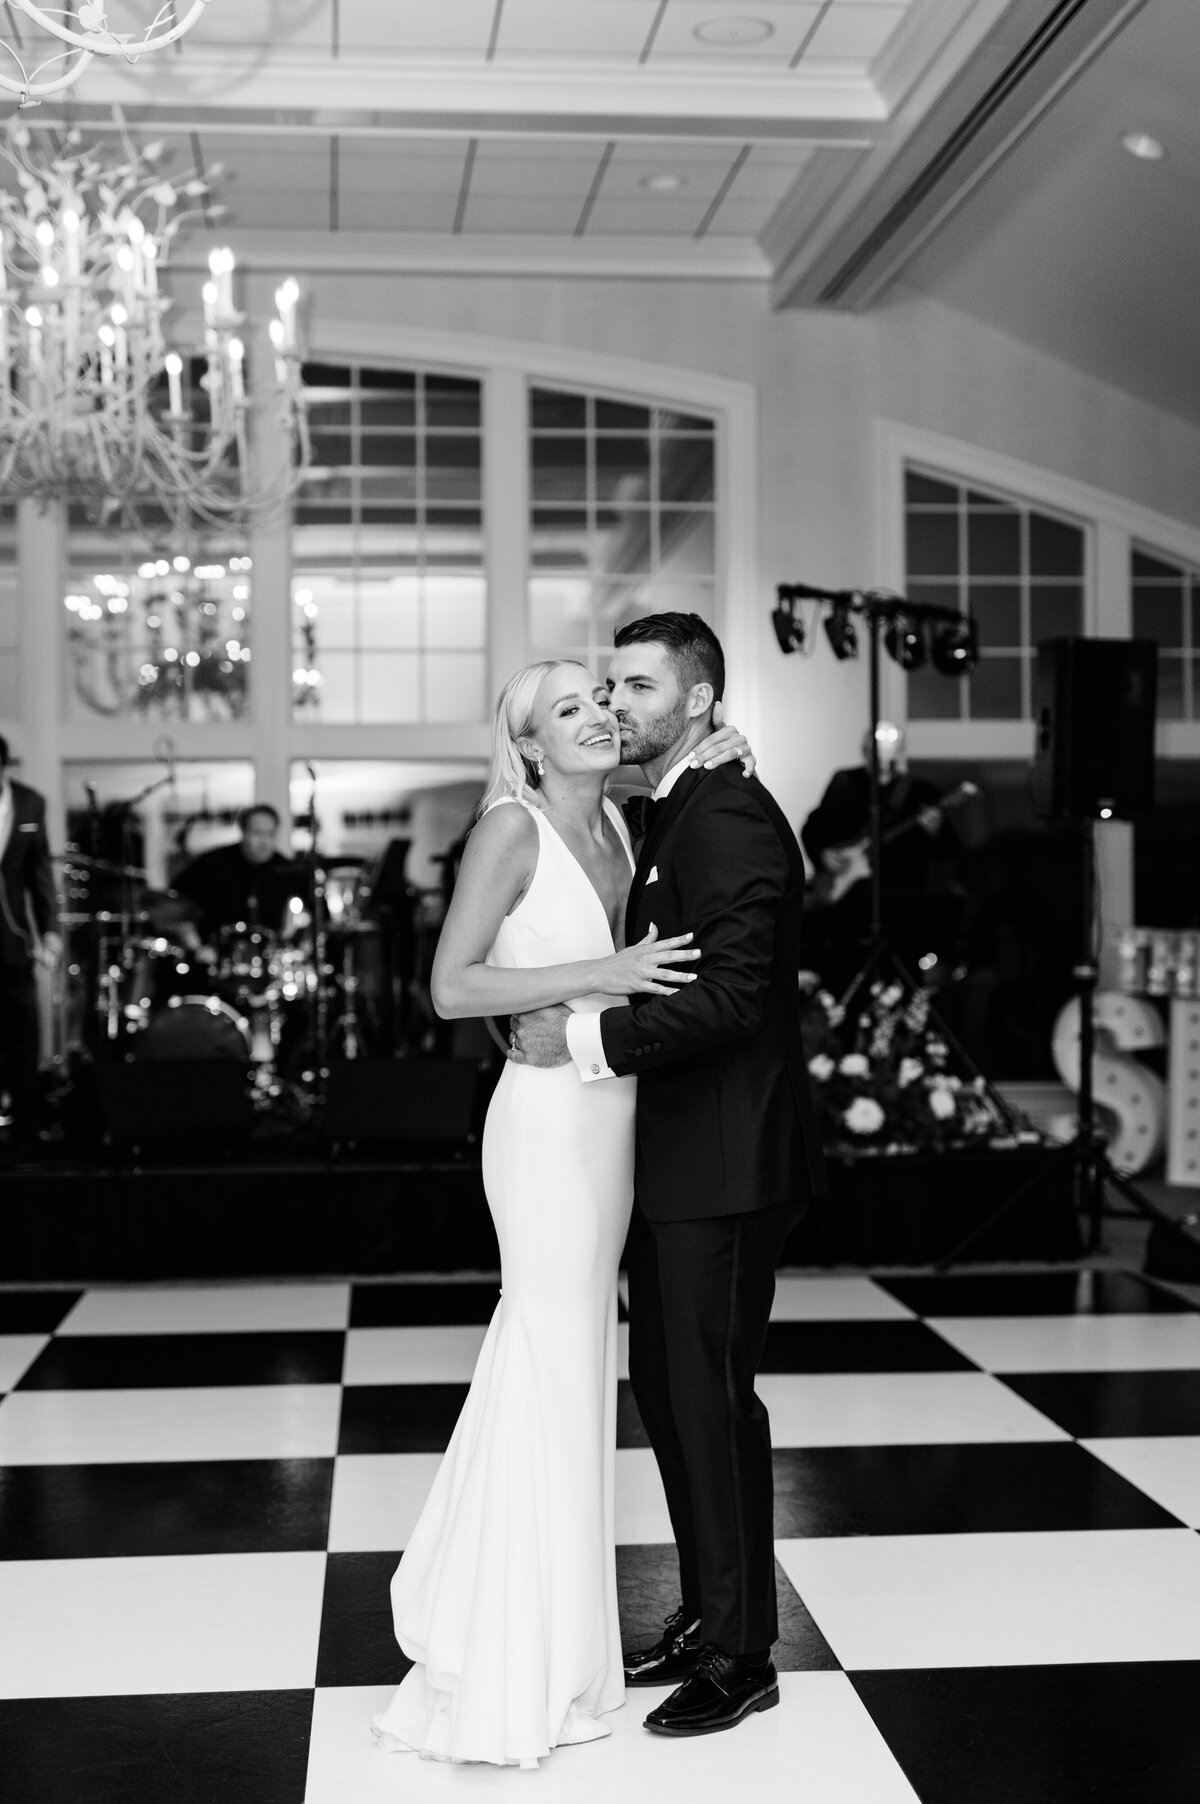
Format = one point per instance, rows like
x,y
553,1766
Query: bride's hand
x,y
647,968
723,745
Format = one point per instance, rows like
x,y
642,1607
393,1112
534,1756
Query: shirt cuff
x,y
585,1044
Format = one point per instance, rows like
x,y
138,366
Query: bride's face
x,y
573,725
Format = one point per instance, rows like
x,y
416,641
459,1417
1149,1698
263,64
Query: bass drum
x,y
195,1027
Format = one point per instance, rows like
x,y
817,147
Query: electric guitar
x,y
827,887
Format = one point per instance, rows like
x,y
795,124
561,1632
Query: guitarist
x,y
918,863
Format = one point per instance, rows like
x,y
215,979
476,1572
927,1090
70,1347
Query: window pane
x,y
1153,568
389,687
559,470
667,421
549,408
1171,695
620,416
1055,548
1055,613
997,611
685,470
995,687
395,411
623,469
924,491
455,615
389,614
933,544
623,542
560,538
452,401
559,611
686,543
932,696
994,543
455,684
337,696
1158,613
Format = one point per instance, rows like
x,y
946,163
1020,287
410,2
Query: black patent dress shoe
x,y
721,1691
672,1657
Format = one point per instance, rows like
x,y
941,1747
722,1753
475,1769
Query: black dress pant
x,y
19,1044
700,1295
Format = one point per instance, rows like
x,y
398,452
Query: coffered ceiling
x,y
813,143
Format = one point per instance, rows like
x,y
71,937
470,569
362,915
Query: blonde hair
x,y
512,774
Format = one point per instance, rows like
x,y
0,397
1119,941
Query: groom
x,y
728,1155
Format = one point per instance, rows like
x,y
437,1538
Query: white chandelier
x,y
94,405
85,32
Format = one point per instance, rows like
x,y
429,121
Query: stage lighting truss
x,y
913,632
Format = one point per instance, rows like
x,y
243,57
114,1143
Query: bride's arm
x,y
497,865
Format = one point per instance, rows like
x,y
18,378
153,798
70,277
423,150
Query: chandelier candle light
x,y
94,406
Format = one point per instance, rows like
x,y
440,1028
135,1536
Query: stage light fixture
x,y
955,649
905,642
839,630
789,628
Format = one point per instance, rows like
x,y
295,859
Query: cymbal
x,y
166,908
103,865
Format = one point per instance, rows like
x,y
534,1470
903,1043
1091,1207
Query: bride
x,y
505,1598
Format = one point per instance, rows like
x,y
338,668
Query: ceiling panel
x,y
397,212
275,24
418,26
554,214
854,32
378,166
678,218
298,209
503,171
573,28
789,25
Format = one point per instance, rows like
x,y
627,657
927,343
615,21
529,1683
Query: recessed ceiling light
x,y
1140,144
733,31
664,183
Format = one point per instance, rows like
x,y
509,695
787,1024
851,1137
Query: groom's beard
x,y
639,744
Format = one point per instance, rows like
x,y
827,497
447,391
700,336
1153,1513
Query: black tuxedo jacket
x,y
725,1118
26,879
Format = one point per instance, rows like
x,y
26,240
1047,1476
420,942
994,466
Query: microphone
x,y
89,789
312,775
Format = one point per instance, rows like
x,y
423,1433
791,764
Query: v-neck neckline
x,y
583,873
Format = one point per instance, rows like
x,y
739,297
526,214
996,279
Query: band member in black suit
x,y
28,932
728,1155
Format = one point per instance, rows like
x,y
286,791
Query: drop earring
x,y
540,767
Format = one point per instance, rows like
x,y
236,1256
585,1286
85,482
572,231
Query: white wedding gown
x,y
506,1597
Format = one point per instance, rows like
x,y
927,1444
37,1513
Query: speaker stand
x,y
1091,1168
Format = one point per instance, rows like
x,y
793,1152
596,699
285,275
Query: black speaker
x,y
185,1102
423,1100
1094,707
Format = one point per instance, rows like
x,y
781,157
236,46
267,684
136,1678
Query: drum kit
x,y
134,983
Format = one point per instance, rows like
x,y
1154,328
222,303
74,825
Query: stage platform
x,y
270,1210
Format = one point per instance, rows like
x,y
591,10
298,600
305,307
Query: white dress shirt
x,y
585,1042
6,815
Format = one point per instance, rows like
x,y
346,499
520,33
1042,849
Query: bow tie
x,y
638,812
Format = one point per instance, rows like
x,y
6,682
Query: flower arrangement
x,y
883,1076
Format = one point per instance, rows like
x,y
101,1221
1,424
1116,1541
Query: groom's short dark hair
x,y
694,648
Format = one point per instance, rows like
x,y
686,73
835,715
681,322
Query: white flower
x,y
942,1104
891,995
821,1067
864,1116
910,1070
854,1065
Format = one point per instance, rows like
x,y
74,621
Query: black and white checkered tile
x,y
988,1491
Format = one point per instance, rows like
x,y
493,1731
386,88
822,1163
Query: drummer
x,y
248,883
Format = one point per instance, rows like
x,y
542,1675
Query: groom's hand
x,y
540,1037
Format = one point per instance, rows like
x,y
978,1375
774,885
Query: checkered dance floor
x,y
988,1491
